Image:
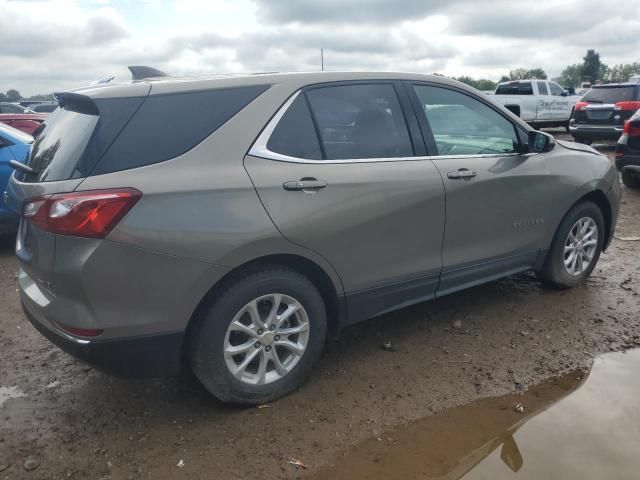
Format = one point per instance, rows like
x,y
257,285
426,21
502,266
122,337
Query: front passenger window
x,y
462,125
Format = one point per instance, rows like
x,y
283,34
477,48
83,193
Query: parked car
x,y
601,113
14,108
628,152
540,103
28,123
44,107
236,221
14,145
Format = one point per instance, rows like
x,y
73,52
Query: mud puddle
x,y
584,425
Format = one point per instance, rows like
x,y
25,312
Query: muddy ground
x,y
65,420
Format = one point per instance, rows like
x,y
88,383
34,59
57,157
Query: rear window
x,y
611,94
515,88
60,144
86,138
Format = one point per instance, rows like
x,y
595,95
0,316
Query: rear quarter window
x,y
167,126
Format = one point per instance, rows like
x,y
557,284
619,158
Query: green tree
x,y
571,76
467,80
13,95
623,72
3,97
537,73
592,67
484,84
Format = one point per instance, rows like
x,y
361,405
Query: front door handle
x,y
304,184
462,173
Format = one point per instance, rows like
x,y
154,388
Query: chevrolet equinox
x,y
232,223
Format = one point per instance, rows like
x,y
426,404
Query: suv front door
x,y
495,196
337,171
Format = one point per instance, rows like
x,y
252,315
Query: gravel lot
x,y
62,419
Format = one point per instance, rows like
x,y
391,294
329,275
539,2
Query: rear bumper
x,y
139,357
596,132
627,160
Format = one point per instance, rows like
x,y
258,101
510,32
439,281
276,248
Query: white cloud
x,y
49,45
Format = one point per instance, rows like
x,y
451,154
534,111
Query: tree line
x,y
13,95
591,69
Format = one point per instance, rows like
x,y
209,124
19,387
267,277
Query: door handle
x,y
462,173
304,184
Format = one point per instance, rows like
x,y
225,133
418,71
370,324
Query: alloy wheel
x,y
580,246
266,339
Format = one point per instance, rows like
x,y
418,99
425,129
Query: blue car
x,y
14,145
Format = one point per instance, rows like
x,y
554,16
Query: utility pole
x,y
322,59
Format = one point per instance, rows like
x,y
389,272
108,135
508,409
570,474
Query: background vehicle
x,y
288,206
28,123
14,108
14,145
601,113
44,107
540,103
628,152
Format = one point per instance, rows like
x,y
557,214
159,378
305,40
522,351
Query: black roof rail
x,y
140,72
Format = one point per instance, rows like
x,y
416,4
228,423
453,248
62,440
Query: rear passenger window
x,y
295,135
167,126
360,121
542,88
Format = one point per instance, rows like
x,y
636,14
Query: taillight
x,y
627,106
90,214
631,128
580,106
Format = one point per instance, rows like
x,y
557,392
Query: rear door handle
x,y
462,173
304,184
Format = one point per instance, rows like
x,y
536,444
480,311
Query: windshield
x,y
611,94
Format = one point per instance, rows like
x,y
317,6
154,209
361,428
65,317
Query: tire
x,y
583,140
554,272
631,181
213,335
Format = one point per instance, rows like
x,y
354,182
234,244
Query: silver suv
x,y
232,223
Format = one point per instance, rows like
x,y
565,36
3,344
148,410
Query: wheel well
x,y
515,109
600,199
302,265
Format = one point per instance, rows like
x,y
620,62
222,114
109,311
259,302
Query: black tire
x,y
583,140
631,181
207,338
553,272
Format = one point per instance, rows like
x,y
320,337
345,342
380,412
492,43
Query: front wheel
x,y
576,247
260,338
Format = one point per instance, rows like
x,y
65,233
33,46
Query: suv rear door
x,y
337,171
495,196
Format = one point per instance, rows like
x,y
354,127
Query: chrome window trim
x,y
259,148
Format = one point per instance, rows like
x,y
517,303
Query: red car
x,y
27,122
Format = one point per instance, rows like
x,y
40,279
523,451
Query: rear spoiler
x,y
76,102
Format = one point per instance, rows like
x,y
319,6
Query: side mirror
x,y
540,142
510,454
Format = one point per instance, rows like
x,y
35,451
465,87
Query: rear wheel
x,y
260,338
631,181
576,247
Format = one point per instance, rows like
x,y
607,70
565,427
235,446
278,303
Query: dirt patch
x,y
491,340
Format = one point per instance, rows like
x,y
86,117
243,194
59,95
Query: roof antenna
x,y
322,59
140,72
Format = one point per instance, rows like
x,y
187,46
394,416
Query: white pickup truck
x,y
540,103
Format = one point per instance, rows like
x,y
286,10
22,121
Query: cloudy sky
x,y
49,45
